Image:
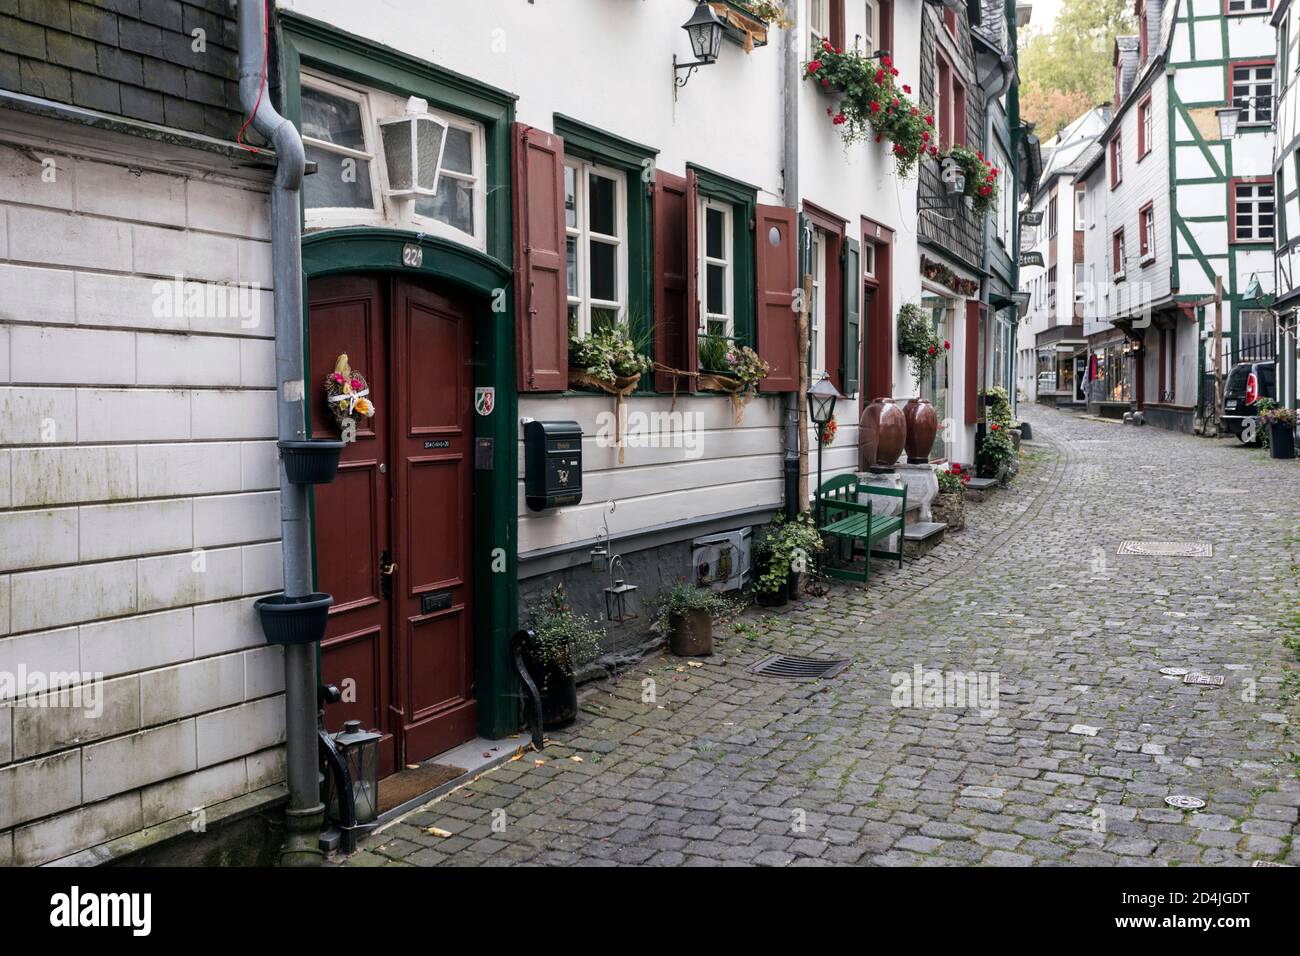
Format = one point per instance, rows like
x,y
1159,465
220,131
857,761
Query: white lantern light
x,y
1229,117
413,146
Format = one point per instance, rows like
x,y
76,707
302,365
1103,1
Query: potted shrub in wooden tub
x,y
949,505
562,641
686,613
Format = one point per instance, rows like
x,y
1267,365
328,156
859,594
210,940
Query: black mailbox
x,y
552,464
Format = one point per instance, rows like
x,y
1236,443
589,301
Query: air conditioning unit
x,y
722,561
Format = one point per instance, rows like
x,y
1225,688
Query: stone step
x,y
922,538
979,489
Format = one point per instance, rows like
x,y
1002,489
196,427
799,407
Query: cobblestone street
x,y
1073,767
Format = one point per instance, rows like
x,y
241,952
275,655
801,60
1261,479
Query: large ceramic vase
x,y
922,426
882,433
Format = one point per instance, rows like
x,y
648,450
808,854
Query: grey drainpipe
x,y
790,193
305,814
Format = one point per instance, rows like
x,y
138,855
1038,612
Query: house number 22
x,y
412,256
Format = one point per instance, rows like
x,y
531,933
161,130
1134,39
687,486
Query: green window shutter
x,y
852,313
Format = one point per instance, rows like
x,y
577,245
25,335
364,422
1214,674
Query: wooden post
x,y
803,392
1218,353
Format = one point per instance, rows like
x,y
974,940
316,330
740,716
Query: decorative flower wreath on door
x,y
347,393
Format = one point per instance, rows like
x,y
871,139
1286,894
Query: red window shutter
x,y
778,275
541,296
837,24
693,321
674,338
972,346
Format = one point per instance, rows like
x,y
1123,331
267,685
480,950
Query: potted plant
x,y
728,367
607,360
873,105
783,551
949,505
995,453
1280,421
560,642
917,340
981,178
686,613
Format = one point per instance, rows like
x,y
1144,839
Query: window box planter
x,y
287,620
739,25
311,462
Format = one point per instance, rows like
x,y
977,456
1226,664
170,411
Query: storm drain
x,y
785,667
1167,549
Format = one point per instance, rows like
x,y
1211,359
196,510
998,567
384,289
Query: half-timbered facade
x,y
1286,178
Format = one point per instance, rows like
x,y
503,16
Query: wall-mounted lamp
x,y
1229,117
413,145
705,32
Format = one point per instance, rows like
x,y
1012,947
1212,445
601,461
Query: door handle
x,y
387,568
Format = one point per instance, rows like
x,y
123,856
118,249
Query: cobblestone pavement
x,y
1073,768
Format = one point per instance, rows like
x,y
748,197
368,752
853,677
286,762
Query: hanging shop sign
x,y
1031,259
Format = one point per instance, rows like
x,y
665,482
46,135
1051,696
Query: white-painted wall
x,y
138,481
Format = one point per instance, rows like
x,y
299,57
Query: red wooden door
x,y
399,644
433,455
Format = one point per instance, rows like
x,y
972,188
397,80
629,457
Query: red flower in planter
x,y
875,107
900,149
893,73
829,111
934,150
826,83
925,137
895,104
955,469
840,119
826,45
929,120
932,350
814,66
887,61
946,345
995,427
880,76
907,89
965,479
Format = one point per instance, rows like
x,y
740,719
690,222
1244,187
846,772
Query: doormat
x,y
409,784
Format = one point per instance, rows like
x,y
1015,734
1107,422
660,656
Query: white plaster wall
x,y
138,487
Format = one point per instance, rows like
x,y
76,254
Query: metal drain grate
x,y
785,667
1167,549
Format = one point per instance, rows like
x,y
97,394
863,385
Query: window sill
x,y
1119,278
1142,156
1148,260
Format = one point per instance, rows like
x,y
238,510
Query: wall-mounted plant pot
x,y
312,462
740,26
300,620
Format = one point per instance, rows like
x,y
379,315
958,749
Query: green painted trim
x,y
1197,139
637,162
305,42
744,200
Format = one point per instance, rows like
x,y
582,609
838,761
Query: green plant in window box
x,y
609,357
770,12
917,340
981,178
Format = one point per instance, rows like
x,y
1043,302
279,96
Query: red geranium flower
x,y
932,350
826,45
925,137
814,66
839,119
887,61
906,88
995,427
895,103
880,76
875,107
929,120
946,345
826,83
900,149
829,111
893,73
934,150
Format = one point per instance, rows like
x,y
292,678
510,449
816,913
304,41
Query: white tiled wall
x,y
138,481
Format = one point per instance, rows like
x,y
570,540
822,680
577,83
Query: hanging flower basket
x,y
299,620
981,176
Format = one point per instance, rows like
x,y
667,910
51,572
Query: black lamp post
x,y
821,408
705,31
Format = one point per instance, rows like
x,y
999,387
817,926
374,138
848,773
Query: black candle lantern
x,y
821,408
360,752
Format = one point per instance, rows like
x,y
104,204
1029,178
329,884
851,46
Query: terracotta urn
x,y
883,430
922,426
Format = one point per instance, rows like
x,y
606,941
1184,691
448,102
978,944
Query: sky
x,y
1044,15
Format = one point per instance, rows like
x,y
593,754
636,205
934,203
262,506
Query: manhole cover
x,y
1167,549
799,668
1184,802
1174,671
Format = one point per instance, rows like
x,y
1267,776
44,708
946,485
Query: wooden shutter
x,y
693,318
837,24
972,346
852,314
672,314
777,242
541,295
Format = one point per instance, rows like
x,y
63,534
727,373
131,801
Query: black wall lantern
x,y
821,409
360,752
705,31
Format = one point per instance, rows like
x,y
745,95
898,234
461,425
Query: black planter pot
x,y
1026,433
772,598
313,462
1281,440
792,585
559,698
287,620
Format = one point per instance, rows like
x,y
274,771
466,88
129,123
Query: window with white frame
x,y
869,259
1079,209
1147,221
340,134
717,306
1252,211
817,307
819,24
1252,92
1078,282
1249,6
871,27
595,218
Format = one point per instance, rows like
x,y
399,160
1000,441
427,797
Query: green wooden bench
x,y
841,516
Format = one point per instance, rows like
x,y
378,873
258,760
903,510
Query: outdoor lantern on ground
x,y
413,146
360,752
821,408
619,602
705,31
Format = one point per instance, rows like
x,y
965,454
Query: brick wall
x,y
138,482
132,58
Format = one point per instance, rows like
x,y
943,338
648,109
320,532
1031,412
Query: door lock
x,y
387,568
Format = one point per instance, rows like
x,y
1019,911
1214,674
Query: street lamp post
x,y
821,408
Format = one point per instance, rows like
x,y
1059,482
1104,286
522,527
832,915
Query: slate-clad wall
x,y
133,58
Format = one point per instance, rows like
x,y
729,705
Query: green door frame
x,y
489,276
